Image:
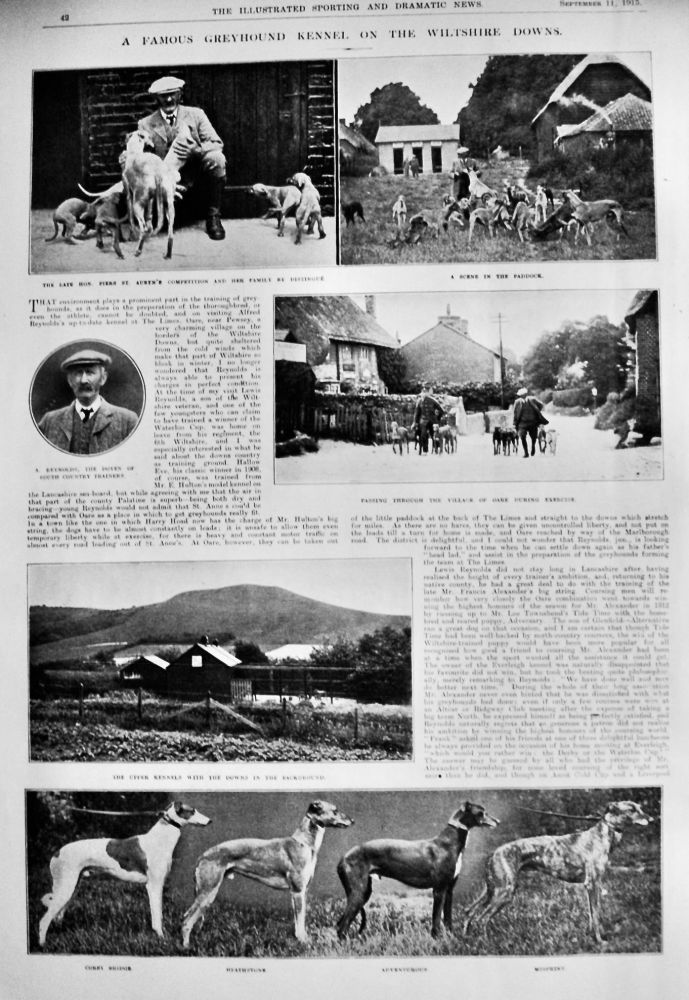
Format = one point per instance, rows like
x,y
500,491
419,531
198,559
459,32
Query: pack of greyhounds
x,y
424,864
281,863
574,857
145,859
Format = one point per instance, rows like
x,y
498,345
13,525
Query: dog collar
x,y
166,819
461,826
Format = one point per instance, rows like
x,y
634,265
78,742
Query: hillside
x,y
268,616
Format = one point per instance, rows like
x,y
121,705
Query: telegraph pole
x,y
499,319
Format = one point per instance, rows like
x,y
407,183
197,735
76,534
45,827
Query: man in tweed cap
x,y
89,425
201,150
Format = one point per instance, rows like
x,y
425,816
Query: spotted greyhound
x,y
281,863
574,857
424,864
146,859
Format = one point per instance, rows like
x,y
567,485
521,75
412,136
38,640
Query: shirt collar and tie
x,y
86,412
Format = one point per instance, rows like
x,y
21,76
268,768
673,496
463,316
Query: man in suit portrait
x,y
89,425
201,148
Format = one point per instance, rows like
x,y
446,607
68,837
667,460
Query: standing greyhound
x,y
425,864
573,857
146,859
282,863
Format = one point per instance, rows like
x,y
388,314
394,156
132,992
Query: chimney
x,y
371,305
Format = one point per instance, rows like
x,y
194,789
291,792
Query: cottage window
x,y
196,660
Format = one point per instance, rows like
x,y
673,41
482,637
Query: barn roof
x,y
218,653
574,74
638,305
626,114
355,138
317,319
156,661
417,133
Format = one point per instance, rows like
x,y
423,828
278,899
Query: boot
x,y
214,226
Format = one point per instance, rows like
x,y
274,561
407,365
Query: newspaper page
x,y
345,544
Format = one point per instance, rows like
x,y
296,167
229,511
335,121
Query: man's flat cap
x,y
82,358
523,392
165,85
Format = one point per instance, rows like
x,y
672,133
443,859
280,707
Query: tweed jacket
x,y
111,425
527,413
200,127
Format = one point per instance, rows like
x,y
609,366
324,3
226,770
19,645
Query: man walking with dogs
x,y
201,151
527,419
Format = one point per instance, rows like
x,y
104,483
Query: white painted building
x,y
434,146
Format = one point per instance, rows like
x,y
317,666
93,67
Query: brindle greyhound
x,y
574,857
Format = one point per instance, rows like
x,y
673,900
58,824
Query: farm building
x,y
204,666
434,146
446,353
145,671
342,341
642,320
593,83
627,120
275,118
357,154
292,651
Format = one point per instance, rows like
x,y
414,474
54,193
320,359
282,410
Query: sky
x,y
441,82
525,315
382,586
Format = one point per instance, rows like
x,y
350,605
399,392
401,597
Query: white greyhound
x,y
145,859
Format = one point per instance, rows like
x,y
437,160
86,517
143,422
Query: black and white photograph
x,y
497,158
183,167
283,660
528,386
67,403
358,874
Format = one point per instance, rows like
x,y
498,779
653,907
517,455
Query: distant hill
x,y
268,616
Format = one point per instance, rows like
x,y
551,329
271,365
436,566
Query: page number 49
x,y
64,17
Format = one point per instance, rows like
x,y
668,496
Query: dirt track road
x,y
583,454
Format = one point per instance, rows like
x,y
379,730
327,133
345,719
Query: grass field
x,y
368,244
545,918
111,729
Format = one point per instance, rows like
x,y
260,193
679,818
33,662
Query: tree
x,y
392,104
249,652
598,348
392,368
383,667
510,91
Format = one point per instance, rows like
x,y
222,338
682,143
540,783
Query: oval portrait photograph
x,y
87,397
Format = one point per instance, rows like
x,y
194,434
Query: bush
x,y
623,172
578,396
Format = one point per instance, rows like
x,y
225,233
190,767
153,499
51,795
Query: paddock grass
x,y
545,918
368,244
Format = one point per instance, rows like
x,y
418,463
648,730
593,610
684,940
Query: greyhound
x,y
145,859
425,864
282,863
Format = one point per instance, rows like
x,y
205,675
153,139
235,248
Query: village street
x,y
583,454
